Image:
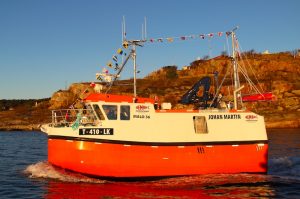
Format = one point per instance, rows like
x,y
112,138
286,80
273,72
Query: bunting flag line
x,y
92,84
106,77
98,77
120,51
125,44
109,64
170,39
104,70
81,95
115,58
116,66
187,37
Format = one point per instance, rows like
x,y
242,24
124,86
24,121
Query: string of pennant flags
x,y
183,38
114,63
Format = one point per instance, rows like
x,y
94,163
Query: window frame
x,y
124,114
113,111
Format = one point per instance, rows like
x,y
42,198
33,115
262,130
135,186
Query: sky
x,y
46,45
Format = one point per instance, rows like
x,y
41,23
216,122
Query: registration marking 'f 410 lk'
x,y
96,131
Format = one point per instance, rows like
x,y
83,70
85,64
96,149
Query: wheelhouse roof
x,y
96,97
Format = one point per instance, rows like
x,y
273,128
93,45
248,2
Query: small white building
x,y
185,68
266,52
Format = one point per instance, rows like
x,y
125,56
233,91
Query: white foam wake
x,y
46,170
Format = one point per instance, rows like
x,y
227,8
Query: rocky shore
x,y
278,73
30,127
280,122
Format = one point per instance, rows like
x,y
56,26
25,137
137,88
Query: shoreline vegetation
x,y
278,73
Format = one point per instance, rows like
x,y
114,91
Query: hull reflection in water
x,y
207,186
65,184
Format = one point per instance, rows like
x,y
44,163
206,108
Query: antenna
x,y
123,35
144,29
143,32
123,30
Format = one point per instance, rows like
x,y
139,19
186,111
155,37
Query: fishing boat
x,y
127,136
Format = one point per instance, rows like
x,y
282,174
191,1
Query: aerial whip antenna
x,y
144,29
123,30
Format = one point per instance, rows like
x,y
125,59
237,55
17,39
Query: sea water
x,y
25,173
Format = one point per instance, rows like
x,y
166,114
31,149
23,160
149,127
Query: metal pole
x,y
235,93
235,70
134,69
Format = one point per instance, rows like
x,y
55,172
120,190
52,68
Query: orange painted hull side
x,y
118,160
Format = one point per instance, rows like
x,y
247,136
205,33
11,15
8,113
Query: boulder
x,y
296,92
76,92
282,86
287,94
291,101
61,99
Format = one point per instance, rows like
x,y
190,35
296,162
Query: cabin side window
x,y
110,111
98,112
125,112
200,124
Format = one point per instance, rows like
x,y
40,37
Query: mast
x,y
235,70
237,87
134,69
133,44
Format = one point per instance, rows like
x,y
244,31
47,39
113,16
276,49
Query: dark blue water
x,y
25,173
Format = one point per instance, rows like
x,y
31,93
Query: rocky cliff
x,y
278,73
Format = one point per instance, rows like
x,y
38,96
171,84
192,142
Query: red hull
x,y
119,160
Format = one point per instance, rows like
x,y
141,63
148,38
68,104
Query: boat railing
x,y
69,117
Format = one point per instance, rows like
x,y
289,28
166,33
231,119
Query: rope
x,y
242,60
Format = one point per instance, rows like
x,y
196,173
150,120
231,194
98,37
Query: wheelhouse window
x,y
89,111
125,112
200,124
110,111
98,112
